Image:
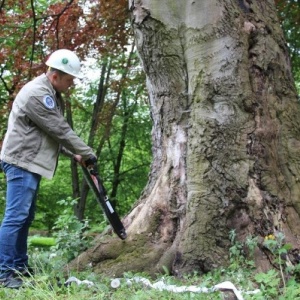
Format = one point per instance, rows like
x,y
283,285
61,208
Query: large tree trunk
x,y
225,137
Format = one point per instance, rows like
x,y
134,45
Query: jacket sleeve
x,y
49,119
66,152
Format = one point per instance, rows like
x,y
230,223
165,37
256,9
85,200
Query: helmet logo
x,y
64,61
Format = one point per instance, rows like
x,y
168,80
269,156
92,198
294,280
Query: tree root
x,y
114,257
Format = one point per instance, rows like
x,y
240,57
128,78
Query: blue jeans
x,y
21,194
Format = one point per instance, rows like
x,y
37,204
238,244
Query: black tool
x,y
95,183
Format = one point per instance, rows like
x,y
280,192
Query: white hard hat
x,y
65,61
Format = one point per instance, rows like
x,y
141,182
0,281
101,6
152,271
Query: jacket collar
x,y
47,82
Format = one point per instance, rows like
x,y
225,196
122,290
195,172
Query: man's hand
x,y
89,162
78,159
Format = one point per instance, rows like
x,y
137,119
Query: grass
x,y
49,287
48,283
49,255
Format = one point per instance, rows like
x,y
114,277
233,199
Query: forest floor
x,y
240,280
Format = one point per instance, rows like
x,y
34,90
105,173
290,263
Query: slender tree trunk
x,y
225,136
122,144
102,88
74,169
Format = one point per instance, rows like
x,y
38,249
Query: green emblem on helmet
x,y
64,61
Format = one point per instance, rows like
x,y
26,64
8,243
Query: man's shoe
x,y
10,280
26,272
13,283
5,274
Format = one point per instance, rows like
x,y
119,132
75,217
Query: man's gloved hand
x,y
91,161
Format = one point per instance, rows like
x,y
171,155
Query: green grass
x,y
46,287
48,283
48,256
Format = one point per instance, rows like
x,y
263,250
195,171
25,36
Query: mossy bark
x,y
225,136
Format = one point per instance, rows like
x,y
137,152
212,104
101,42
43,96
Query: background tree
x,y
30,32
225,137
288,12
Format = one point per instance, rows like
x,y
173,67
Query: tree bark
x,y
225,137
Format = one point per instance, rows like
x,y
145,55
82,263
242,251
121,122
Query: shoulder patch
x,y
48,102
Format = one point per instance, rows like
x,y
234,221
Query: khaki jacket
x,y
37,130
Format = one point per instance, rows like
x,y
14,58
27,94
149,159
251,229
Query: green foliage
x,y
135,164
272,284
276,244
292,291
241,253
69,232
268,283
288,11
122,138
50,193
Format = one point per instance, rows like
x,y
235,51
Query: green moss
x,y
136,255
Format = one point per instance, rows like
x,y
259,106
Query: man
x,y
37,132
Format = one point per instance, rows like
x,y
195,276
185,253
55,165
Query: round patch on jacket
x,y
49,102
